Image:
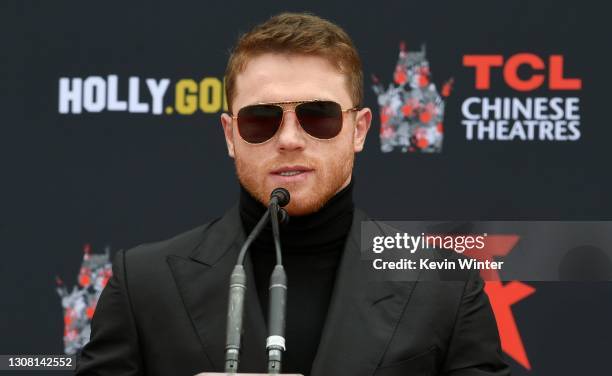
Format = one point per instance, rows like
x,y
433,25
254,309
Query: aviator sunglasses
x,y
321,119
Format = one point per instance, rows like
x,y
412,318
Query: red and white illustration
x,y
411,109
79,304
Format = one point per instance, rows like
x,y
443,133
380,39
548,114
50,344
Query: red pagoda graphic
x,y
411,109
80,303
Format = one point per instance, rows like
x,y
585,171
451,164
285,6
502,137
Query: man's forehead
x,y
283,77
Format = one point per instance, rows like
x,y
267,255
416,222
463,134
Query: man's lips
x,y
291,170
291,174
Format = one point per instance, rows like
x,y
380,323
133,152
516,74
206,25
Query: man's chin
x,y
306,198
303,200
304,204
297,210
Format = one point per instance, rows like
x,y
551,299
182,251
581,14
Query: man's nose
x,y
291,136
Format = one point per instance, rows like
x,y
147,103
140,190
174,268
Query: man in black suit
x,y
294,85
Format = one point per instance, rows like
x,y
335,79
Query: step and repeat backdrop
x,y
110,137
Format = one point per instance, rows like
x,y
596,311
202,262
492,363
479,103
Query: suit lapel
x,y
362,316
203,282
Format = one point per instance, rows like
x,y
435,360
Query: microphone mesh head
x,y
282,196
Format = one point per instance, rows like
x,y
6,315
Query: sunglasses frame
x,y
295,103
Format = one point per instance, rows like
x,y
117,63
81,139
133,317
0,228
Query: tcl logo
x,y
539,68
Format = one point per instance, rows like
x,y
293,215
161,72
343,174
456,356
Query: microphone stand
x,y
235,309
275,343
238,285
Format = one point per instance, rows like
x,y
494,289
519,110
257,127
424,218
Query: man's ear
x,y
363,119
226,122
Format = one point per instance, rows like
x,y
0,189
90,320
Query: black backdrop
x,y
118,179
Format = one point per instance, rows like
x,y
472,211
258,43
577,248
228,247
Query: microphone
x,y
275,343
235,309
280,196
238,281
283,216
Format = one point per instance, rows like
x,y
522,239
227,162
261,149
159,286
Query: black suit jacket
x,y
164,313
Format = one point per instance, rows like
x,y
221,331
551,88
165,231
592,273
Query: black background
x,y
120,179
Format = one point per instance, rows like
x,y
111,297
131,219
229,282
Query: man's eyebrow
x,y
317,98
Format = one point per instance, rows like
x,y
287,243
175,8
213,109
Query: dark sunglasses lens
x,y
321,119
259,123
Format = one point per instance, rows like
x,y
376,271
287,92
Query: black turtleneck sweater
x,y
312,246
